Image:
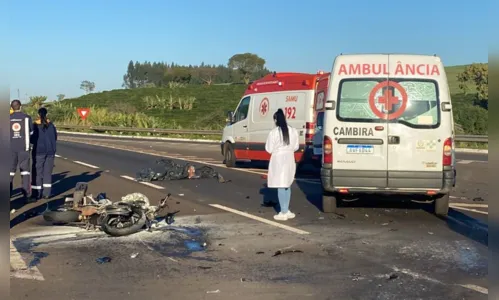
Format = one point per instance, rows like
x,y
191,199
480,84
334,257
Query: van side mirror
x,y
230,117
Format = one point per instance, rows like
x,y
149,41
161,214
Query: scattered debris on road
x,y
279,252
213,292
204,268
246,280
356,276
134,255
12,211
478,199
167,169
103,260
393,276
260,252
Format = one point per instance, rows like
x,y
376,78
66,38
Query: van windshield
x,y
422,108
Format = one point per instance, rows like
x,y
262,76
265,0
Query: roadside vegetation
x,y
162,95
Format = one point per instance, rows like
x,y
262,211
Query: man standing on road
x,y
21,129
44,141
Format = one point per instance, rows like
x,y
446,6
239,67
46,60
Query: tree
x,y
60,97
477,74
179,74
247,64
87,86
37,101
129,77
207,74
160,74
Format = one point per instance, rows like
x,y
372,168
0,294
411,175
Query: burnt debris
x,y
167,169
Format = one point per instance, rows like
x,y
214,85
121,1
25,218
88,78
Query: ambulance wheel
x,y
329,202
441,205
230,158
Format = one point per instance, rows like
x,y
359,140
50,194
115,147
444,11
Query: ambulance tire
x,y
441,205
329,202
230,158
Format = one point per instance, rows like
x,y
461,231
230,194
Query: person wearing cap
x,y
21,129
44,141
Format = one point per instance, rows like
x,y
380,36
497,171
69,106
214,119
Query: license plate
x,y
360,149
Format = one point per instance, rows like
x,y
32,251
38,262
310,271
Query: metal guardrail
x,y
459,138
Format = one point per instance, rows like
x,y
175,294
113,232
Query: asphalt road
x,y
358,249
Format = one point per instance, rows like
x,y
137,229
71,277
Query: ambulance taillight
x,y
327,150
447,153
309,132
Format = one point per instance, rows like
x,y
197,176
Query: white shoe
x,y
281,217
290,215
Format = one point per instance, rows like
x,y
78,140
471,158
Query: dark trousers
x,y
20,159
41,183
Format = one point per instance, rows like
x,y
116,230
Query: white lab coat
x,y
282,165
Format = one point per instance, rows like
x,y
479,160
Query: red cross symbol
x,y
388,99
264,108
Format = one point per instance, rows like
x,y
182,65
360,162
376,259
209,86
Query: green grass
x,y
208,112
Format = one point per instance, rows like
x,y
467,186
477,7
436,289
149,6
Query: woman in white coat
x,y
282,143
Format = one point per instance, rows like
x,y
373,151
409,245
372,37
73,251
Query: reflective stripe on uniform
x,y
12,173
25,173
27,134
36,187
47,185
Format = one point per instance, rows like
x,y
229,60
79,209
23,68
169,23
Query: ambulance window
x,y
242,110
421,110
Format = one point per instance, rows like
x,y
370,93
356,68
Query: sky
x,y
54,45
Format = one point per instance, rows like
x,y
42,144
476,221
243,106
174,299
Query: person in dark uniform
x,y
21,128
44,141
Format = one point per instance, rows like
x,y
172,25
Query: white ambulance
x,y
248,126
388,129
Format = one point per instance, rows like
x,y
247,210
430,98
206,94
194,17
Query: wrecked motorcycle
x,y
125,217
131,214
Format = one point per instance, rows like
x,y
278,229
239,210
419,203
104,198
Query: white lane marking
x,y
415,275
292,229
464,161
470,205
144,183
57,155
475,288
20,269
470,209
85,164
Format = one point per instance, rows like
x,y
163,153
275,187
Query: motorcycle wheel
x,y
62,216
110,224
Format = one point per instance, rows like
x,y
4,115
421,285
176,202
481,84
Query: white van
x,y
247,129
388,129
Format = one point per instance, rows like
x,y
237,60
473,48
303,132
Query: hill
x,y
205,106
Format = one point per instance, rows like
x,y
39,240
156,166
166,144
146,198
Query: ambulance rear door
x,y
417,128
358,129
